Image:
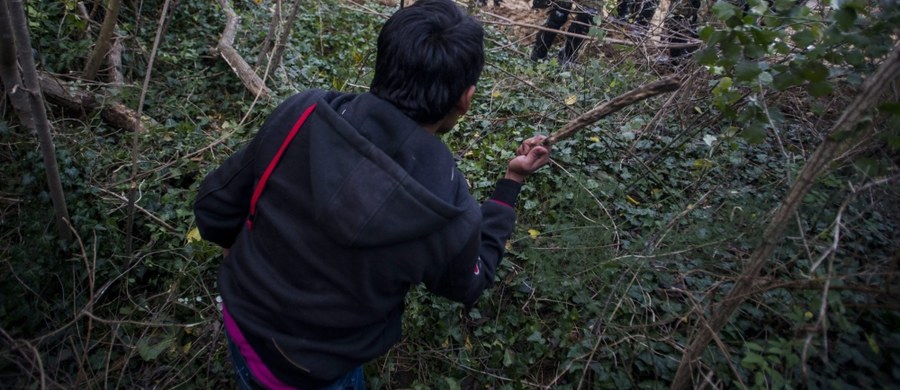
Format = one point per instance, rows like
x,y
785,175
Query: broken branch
x,y
234,59
635,95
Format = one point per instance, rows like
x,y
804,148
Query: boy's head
x,y
429,54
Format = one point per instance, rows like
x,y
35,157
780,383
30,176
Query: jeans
x,y
354,380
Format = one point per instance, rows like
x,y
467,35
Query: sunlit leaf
x,y
194,235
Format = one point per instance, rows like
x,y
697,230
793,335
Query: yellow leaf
x,y
468,344
571,100
495,93
534,233
595,139
632,200
702,163
873,344
194,235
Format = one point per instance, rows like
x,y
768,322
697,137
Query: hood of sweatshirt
x,y
377,177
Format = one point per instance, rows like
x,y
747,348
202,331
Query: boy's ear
x,y
465,100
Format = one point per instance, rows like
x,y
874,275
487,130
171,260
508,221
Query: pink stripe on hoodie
x,y
259,370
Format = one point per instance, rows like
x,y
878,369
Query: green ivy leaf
x,y
452,384
723,85
724,10
754,51
764,37
753,360
845,17
814,71
731,54
535,337
706,33
755,133
708,56
781,48
508,357
151,352
803,38
746,71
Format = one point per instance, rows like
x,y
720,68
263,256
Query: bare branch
x,y
635,95
234,59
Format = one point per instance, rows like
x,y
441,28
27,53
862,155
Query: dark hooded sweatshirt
x,y
363,204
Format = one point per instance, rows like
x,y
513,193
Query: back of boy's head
x,y
428,54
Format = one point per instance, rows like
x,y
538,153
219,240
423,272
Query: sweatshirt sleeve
x,y
474,269
223,200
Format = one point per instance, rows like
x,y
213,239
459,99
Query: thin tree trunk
x,y
135,136
261,60
234,59
872,90
22,41
115,64
104,40
275,61
83,13
9,71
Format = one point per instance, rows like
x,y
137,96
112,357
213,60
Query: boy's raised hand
x,y
530,156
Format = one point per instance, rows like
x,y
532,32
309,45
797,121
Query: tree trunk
x,y
234,59
114,114
115,64
281,43
104,40
9,71
872,90
261,61
22,42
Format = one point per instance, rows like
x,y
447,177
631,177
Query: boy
x,y
362,203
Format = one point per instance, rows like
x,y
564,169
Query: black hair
x,y
428,54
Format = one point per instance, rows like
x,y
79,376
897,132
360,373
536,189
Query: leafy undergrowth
x,y
640,223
